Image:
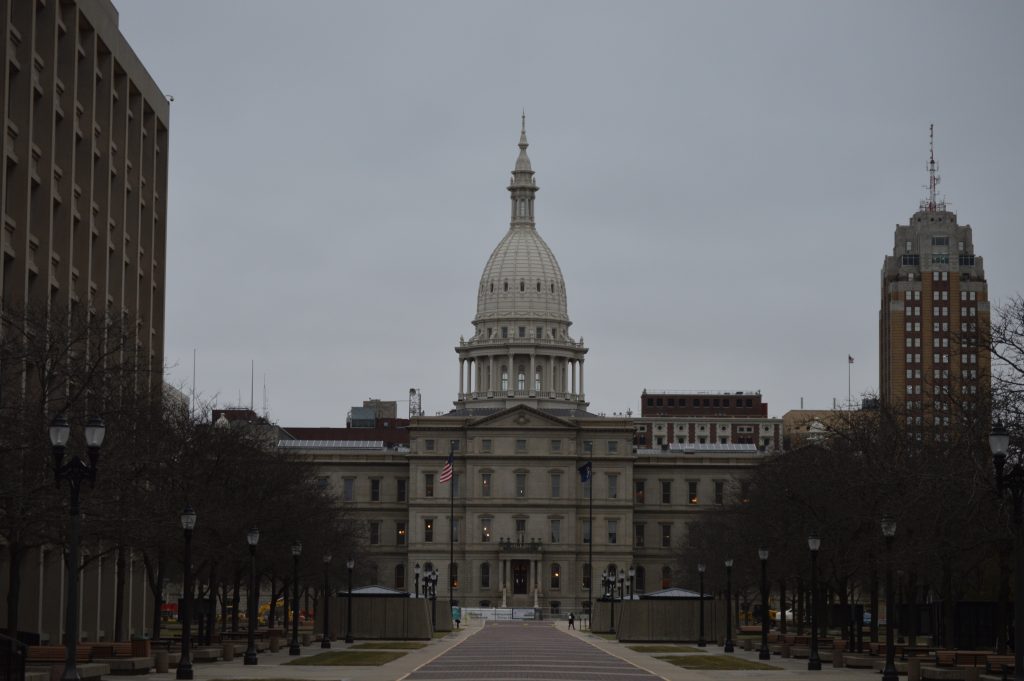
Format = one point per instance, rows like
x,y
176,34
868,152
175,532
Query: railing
x,y
694,391
542,394
516,340
12,659
519,544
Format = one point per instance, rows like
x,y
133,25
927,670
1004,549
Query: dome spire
x,y
523,187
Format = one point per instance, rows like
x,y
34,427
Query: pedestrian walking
x,y
572,621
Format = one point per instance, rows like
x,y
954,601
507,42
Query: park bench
x,y
999,664
206,654
121,659
54,654
750,629
951,673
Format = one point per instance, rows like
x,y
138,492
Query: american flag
x,y
446,472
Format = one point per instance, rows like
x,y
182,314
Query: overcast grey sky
x,y
719,182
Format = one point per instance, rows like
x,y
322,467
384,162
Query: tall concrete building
x,y
84,182
84,198
934,316
516,510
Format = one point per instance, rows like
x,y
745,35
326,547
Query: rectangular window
x,y
556,485
520,485
374,532
638,491
666,535
613,447
588,447
348,487
429,445
375,489
322,482
401,492
638,534
485,484
556,445
666,491
522,332
556,531
400,533
456,485
428,529
520,445
585,525
719,492
692,491
613,531
485,446
428,484
485,529
521,530
455,530
613,486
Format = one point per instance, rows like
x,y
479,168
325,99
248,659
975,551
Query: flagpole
x,y
849,391
590,565
451,523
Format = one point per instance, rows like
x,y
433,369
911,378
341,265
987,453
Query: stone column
x,y
490,379
511,371
462,382
533,369
572,365
581,377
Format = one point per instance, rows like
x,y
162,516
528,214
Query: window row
x,y
524,445
375,490
698,402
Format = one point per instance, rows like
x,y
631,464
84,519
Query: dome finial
x,y
522,133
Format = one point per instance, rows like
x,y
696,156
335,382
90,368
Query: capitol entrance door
x,y
520,573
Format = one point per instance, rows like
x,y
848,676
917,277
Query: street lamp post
x,y
294,648
253,538
348,623
889,531
188,523
813,661
430,587
1013,481
417,580
632,581
326,641
702,641
728,606
75,471
764,653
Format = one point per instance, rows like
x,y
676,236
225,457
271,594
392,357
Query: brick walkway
x,y
533,651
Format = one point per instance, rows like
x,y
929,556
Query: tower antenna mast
x,y
933,203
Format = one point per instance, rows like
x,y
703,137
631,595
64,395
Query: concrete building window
x,y
400,576
585,570
401,489
506,286
520,530
374,532
639,534
428,445
428,484
556,485
666,535
641,579
521,379
485,529
485,484
455,575
556,445
485,575
613,486
719,492
613,447
522,332
485,446
375,489
521,485
556,531
638,491
520,445
400,533
556,576
692,491
666,577
585,527
613,531
348,486
522,285
666,491
588,447
428,529
504,378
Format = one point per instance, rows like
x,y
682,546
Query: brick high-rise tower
x,y
934,311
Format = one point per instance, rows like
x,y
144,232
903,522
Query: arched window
x,y
400,576
552,288
522,285
666,577
556,576
504,378
536,381
485,576
521,380
641,579
506,285
538,287
492,287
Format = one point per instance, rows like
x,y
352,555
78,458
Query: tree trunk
x,y
273,604
949,637
286,603
15,554
911,624
119,595
155,577
874,606
223,607
211,612
799,612
236,601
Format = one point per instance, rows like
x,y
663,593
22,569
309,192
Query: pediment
x,y
521,417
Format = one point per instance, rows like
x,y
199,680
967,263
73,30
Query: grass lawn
x,y
666,648
388,645
713,662
350,658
